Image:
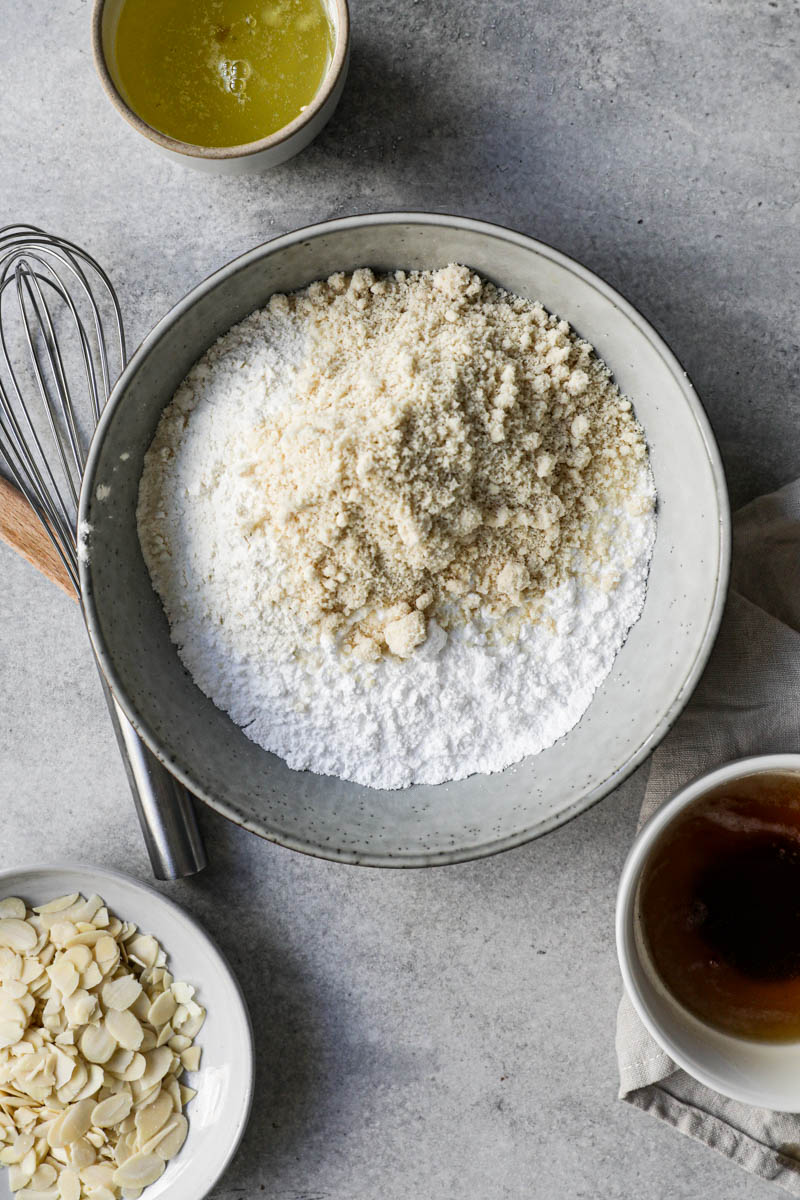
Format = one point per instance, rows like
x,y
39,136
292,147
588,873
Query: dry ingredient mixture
x,y
400,525
94,1036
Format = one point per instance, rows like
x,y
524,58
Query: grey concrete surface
x,y
444,1034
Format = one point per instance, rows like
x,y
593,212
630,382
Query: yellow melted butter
x,y
221,72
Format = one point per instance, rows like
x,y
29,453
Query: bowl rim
x,y
594,794
245,149
93,872
625,922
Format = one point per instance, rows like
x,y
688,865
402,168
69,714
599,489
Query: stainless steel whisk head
x,y
56,360
56,306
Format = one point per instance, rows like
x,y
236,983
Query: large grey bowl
x,y
652,677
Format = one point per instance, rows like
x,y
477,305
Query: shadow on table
x,y
281,994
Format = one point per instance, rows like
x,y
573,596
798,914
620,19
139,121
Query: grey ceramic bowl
x,y
652,677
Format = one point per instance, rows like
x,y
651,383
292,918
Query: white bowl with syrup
x,y
765,1074
247,157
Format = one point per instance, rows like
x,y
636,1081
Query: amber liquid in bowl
x,y
719,906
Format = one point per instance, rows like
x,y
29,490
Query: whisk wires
x,y
56,362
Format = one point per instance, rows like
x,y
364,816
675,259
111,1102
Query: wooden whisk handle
x,y
21,529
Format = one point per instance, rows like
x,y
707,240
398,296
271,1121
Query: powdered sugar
x,y
470,700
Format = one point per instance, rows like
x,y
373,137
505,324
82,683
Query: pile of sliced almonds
x,y
94,1037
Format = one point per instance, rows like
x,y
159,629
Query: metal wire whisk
x,y
61,333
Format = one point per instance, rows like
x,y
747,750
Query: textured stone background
x,y
440,1034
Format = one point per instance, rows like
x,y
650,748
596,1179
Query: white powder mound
x,y
468,700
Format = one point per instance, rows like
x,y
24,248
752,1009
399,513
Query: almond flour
x,y
382,508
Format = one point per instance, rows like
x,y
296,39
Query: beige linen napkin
x,y
747,702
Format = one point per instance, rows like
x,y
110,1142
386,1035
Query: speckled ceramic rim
x,y
482,850
338,62
626,910
89,871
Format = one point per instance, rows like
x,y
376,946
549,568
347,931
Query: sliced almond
x,y
44,1177
141,1006
144,949
194,1023
191,1058
80,1007
17,1150
18,1177
12,906
153,1117
95,1080
172,1088
79,956
91,976
57,905
10,1033
140,1170
65,1066
16,934
162,1009
69,1090
64,975
98,1175
112,1110
149,1041
82,1154
170,1139
106,951
85,937
124,1028
10,1008
119,1061
183,992
69,1184
143,1093
166,1035
71,1125
134,1072
61,932
124,1148
120,993
159,1062
10,964
87,910
103,1193
96,1044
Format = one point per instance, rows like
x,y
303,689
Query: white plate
x,y
218,1114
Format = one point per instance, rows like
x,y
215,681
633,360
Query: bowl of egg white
x,y
404,539
224,86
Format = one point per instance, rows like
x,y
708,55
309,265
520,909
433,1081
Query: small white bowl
x,y
763,1074
218,1113
250,157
